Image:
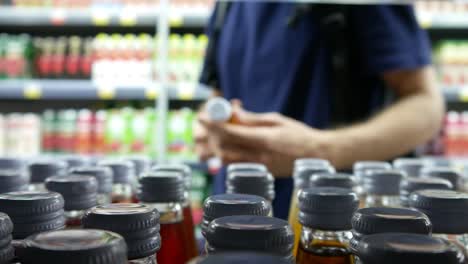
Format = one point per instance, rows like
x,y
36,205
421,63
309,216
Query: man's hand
x,y
270,138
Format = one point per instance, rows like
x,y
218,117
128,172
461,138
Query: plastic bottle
x,y
221,205
41,170
79,193
382,188
13,181
245,258
376,220
77,246
104,178
446,173
7,252
447,211
123,175
411,166
410,185
337,180
250,233
138,224
219,109
325,214
165,191
403,248
361,168
255,183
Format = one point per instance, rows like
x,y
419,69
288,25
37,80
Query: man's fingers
x,y
253,119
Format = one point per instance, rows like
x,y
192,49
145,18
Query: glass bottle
x,y
301,177
382,188
447,211
410,185
75,246
43,169
250,233
254,182
79,193
338,180
104,179
142,164
376,220
325,214
453,176
404,248
7,252
123,175
240,257
411,166
138,224
13,181
165,192
361,168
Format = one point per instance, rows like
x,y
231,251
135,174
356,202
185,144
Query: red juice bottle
x,y
165,191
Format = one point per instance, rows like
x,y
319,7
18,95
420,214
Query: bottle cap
x,y
411,166
181,168
79,192
362,167
382,182
248,232
138,224
302,174
443,173
338,180
26,204
123,171
6,225
75,246
253,182
103,176
219,109
76,161
13,181
140,163
245,258
448,210
245,166
327,208
12,164
410,185
221,205
403,248
311,161
162,187
41,170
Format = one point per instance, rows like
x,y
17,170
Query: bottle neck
x,y
311,236
169,212
375,200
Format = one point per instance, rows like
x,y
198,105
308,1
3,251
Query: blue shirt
x,y
259,56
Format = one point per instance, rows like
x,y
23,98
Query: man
x,y
260,60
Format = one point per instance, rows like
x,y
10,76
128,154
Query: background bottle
x,y
123,174
411,166
219,109
337,180
104,178
7,252
382,188
446,173
245,258
13,181
13,163
39,171
410,185
360,169
255,183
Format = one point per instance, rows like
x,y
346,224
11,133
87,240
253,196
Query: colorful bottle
x,y
411,166
255,183
39,171
219,109
78,246
7,252
325,214
165,191
250,233
453,176
403,248
123,175
360,169
138,224
79,193
13,181
245,258
410,185
382,188
104,180
376,220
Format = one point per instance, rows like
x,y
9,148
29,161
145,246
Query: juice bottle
x,y
79,192
325,213
104,178
360,168
165,191
410,185
138,224
382,188
453,176
7,252
42,169
123,174
411,166
255,183
338,180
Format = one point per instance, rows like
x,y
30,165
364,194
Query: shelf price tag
x,y
463,95
128,19
105,92
176,20
32,91
151,92
100,18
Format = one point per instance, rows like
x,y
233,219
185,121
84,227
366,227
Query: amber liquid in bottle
x,y
324,253
190,242
172,244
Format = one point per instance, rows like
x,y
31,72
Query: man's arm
x,y
412,120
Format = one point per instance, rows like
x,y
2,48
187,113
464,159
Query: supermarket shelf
x,y
87,90
17,16
456,94
453,21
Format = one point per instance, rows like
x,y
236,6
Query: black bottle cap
x,y
403,248
443,173
249,232
243,257
180,168
410,185
253,182
162,187
302,174
362,167
76,246
7,254
79,192
41,170
23,230
12,164
447,210
140,163
103,176
76,161
138,224
338,180
122,171
382,182
6,225
327,208
311,161
13,181
27,204
411,166
221,205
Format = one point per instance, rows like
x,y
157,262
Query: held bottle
x,y
79,193
123,175
325,215
255,183
104,179
39,171
13,181
7,252
382,188
410,185
165,192
138,224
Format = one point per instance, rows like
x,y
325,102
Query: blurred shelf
x,y
456,94
453,21
21,16
87,90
